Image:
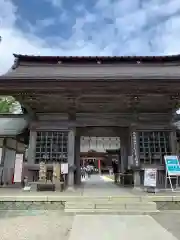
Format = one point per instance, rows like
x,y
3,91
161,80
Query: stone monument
x,y
42,172
56,172
56,175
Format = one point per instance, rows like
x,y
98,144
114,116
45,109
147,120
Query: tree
x,y
8,105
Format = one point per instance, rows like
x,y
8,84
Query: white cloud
x,y
45,22
123,27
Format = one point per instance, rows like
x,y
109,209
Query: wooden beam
x,y
127,86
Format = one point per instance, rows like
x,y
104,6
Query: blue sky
x,y
88,27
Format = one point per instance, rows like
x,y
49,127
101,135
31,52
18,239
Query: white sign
x,y
18,168
64,168
150,175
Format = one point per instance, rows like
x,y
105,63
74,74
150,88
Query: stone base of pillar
x,y
77,177
137,188
78,183
70,189
57,185
70,182
137,180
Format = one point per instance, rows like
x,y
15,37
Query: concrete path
x,y
97,185
106,227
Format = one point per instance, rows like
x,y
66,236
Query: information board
x,y
150,175
172,165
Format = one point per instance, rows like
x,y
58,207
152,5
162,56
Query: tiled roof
x,y
100,59
88,68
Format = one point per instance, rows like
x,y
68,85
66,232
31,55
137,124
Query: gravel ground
x,y
170,221
35,225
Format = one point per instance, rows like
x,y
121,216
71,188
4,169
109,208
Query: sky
x,y
88,27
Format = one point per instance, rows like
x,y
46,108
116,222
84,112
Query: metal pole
x,y
171,183
166,180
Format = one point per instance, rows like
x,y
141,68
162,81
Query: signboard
x,y
64,168
18,168
150,177
134,149
172,165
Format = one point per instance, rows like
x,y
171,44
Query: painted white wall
x,y
9,162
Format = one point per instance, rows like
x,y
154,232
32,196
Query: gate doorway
x,y
95,151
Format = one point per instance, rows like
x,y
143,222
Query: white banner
x,y
64,168
18,168
1,155
150,175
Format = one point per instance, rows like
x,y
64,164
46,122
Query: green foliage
x,y
7,104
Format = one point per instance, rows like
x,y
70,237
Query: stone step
x,y
110,205
87,205
131,206
122,198
112,199
111,211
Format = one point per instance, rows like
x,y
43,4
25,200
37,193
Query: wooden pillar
x,y
71,157
173,142
125,146
32,147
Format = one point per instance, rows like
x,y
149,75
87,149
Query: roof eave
x,y
86,59
89,78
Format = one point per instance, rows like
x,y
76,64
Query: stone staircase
x,y
118,205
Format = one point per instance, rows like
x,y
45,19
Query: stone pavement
x,y
57,225
103,227
116,226
170,221
44,225
101,186
52,225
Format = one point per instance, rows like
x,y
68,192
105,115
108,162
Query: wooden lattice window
x,y
153,145
52,146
